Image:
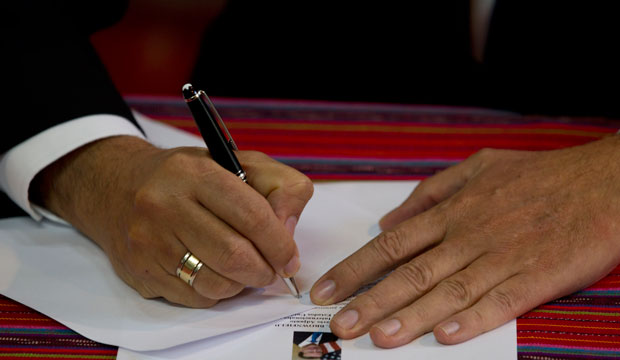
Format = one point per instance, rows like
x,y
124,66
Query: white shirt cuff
x,y
20,165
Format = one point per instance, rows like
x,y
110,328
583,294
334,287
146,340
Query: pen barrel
x,y
218,146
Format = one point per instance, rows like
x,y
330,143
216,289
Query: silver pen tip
x,y
292,286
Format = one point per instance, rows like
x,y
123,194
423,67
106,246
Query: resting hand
x,y
146,207
483,242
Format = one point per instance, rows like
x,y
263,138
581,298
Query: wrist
x,y
86,184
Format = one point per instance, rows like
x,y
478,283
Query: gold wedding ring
x,y
188,268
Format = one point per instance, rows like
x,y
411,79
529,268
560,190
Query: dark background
x,y
552,57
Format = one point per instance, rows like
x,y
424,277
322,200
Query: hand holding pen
x,y
148,207
222,149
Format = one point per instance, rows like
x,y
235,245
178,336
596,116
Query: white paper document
x,y
281,340
57,271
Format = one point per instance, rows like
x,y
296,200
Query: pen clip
x,y
216,116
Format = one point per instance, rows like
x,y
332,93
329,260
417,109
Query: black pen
x,y
219,142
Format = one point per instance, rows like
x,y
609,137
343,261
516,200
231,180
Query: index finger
x,y
286,189
388,250
251,215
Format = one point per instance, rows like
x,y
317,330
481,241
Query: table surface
x,y
358,141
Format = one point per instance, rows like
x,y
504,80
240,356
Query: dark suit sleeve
x,y
52,73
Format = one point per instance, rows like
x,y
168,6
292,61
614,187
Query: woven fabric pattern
x,y
585,325
25,333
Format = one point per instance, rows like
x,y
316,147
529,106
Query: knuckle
x,y
136,236
484,154
417,275
355,270
191,161
235,258
147,201
423,314
460,201
505,301
390,246
485,157
477,320
137,231
139,241
446,207
257,218
181,158
303,187
458,290
458,207
372,300
420,314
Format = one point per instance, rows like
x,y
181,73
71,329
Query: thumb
x,y
430,192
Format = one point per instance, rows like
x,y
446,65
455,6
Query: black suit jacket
x,y
52,72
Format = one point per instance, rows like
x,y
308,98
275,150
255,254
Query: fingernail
x,y
347,319
323,291
293,265
290,224
450,328
390,327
